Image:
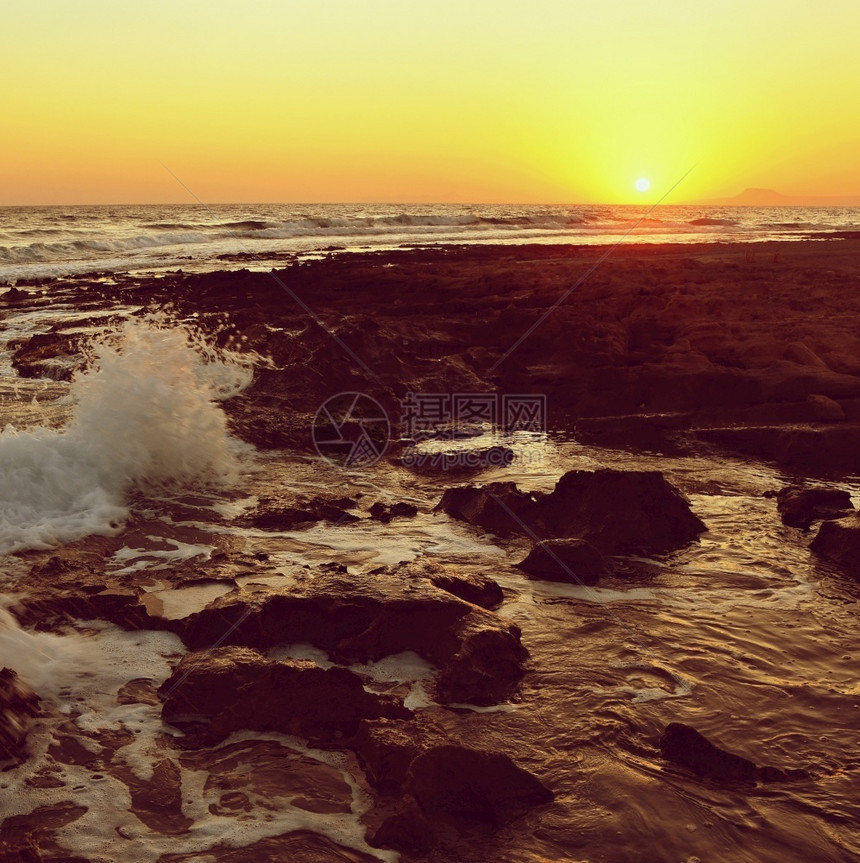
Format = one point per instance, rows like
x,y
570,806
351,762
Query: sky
x,y
546,101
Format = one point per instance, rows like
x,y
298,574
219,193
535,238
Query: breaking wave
x,y
146,416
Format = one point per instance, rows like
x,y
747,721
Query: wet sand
x,y
733,370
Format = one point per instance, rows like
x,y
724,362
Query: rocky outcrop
x,y
18,706
364,618
429,784
472,587
839,542
385,513
499,507
274,515
214,692
574,561
616,511
473,785
47,355
683,745
825,409
808,449
799,506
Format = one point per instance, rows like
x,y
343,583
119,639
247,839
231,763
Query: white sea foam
x,y
145,417
45,662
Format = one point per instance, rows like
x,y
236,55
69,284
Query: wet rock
x,y
250,773
839,541
428,784
271,515
652,433
574,561
362,618
387,747
799,506
499,507
472,587
157,801
402,826
18,705
813,450
617,511
384,513
487,665
683,745
14,296
212,693
824,408
473,785
298,846
30,838
47,355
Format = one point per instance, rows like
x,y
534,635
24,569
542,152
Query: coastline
x,y
656,345
408,681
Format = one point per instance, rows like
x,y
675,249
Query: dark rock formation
x,y
473,785
839,541
807,449
47,355
619,511
214,692
825,409
272,515
575,561
384,513
364,618
18,706
14,296
475,588
684,745
499,507
429,784
799,506
616,511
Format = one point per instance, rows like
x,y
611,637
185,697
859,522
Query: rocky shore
x,y
690,359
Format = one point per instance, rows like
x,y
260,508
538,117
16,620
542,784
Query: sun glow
x,y
350,102
643,184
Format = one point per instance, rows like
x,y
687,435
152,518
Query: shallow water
x,y
743,634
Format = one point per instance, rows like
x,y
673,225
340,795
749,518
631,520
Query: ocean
x,y
42,242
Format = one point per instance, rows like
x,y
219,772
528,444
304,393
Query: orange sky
x,y
554,101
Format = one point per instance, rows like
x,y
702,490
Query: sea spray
x,y
145,417
46,663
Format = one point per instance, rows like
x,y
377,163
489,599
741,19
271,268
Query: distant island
x,y
770,198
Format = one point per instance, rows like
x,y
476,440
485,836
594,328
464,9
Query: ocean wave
x,y
705,221
36,252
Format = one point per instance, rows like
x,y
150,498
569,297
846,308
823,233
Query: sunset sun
x,y
643,184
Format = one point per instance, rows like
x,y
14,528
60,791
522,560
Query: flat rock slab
x,y
212,693
363,618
